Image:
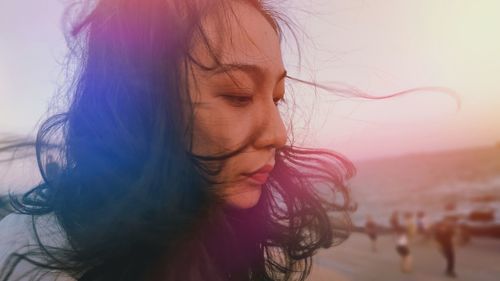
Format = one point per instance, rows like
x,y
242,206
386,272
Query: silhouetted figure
x,y
394,222
371,231
444,236
422,225
409,225
402,247
404,252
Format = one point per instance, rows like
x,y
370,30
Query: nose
x,y
272,131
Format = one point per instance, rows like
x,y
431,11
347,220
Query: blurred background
x,y
429,151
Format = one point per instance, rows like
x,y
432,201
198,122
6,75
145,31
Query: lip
x,y
261,175
266,169
259,178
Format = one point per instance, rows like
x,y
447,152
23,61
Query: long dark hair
x,y
132,203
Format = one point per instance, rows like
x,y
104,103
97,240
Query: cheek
x,y
217,131
224,130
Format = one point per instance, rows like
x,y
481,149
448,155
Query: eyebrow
x,y
252,69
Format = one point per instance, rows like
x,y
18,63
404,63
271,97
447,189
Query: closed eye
x,y
238,100
241,101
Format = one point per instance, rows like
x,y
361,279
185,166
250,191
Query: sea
x,y
439,183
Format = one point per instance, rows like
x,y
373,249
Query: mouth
x,y
267,168
260,175
258,178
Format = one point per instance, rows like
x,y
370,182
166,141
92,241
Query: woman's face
x,y
236,104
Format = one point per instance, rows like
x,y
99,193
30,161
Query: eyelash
x,y
241,101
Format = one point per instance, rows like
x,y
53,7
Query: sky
x,y
379,47
384,47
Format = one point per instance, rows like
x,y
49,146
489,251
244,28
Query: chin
x,y
246,199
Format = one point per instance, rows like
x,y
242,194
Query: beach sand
x,y
353,260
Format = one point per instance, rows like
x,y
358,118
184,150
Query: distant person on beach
x,y
402,247
444,231
394,222
410,226
403,250
174,161
372,231
422,225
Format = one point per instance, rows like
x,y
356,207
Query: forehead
x,y
239,33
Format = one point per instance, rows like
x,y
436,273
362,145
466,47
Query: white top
x,y
402,240
17,236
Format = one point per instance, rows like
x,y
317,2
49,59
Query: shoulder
x,y
17,235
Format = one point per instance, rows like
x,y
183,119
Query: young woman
x,y
172,160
